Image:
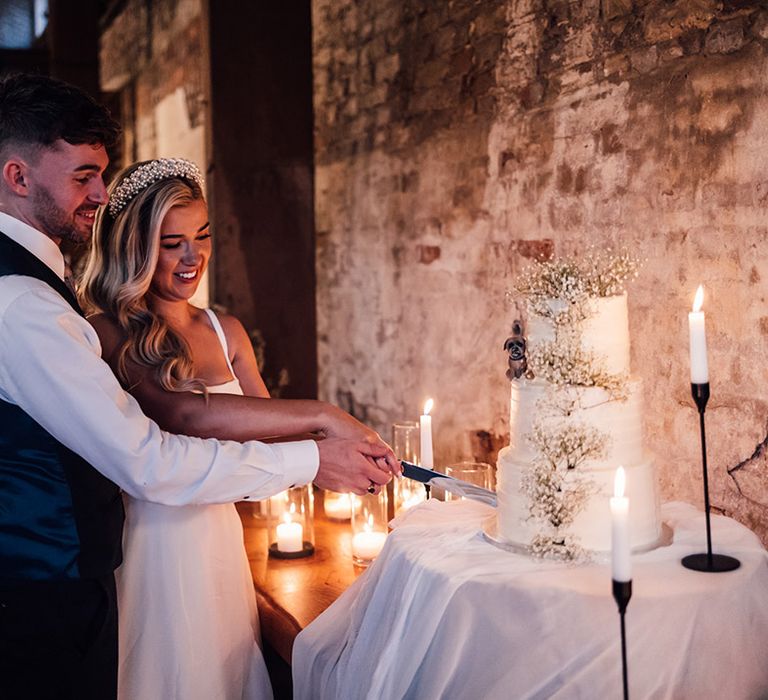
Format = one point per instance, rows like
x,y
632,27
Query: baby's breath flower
x,y
555,483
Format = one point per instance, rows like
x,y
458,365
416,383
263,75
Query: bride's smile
x,y
184,252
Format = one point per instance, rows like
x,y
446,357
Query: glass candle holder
x,y
256,509
369,527
408,493
337,506
405,441
290,523
405,444
477,473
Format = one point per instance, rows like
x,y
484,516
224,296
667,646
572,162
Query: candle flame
x,y
293,507
428,406
619,483
698,300
286,517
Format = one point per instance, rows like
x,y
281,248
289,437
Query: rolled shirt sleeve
x,y
51,367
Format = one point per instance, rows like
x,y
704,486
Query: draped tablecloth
x,y
442,613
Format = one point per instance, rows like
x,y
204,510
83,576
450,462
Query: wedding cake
x,y
575,413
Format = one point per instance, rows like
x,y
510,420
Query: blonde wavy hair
x,y
118,275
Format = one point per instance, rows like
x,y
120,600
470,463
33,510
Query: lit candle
x,y
290,535
409,497
621,563
338,506
699,368
367,544
425,425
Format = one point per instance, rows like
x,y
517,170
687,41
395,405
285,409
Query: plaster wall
x,y
457,141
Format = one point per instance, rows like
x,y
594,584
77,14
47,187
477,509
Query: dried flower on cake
x,y
563,291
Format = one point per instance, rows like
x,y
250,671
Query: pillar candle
x,y
367,545
290,535
621,562
425,425
338,506
698,339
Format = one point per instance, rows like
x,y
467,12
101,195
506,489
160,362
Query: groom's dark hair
x,y
36,110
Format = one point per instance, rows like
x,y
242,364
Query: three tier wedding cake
x,y
575,413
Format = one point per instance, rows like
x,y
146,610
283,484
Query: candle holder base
x,y
700,393
622,592
362,563
335,519
307,550
713,563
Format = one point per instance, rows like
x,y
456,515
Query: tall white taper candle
x,y
697,330
621,561
425,425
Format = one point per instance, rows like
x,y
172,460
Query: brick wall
x,y
456,140
154,54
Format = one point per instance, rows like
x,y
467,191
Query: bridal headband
x,y
149,173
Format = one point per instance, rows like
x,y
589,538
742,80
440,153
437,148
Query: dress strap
x,y
222,338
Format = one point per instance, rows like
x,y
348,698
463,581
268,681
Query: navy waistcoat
x,y
59,517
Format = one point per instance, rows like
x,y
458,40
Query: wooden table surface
x,y
293,592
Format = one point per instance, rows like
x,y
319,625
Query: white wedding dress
x,y
189,626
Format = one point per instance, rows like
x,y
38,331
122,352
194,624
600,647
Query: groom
x,y
71,438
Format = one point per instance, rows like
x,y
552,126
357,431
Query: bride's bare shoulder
x,y
109,332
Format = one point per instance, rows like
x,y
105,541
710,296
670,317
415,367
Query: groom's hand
x,y
353,465
339,424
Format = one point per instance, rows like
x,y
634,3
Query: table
x,y
292,593
444,614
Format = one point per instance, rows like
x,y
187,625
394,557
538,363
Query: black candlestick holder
x,y
706,561
622,592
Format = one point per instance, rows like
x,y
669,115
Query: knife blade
x,y
455,486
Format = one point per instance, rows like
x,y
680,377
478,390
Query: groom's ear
x,y
16,175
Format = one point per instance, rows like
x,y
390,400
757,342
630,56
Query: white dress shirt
x,y
51,367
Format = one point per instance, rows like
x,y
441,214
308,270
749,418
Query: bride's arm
x,y
243,358
226,416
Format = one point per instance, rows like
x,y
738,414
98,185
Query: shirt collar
x,y
37,243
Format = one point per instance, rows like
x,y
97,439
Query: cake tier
x,y
593,524
620,421
605,333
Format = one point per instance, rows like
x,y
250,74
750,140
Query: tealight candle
x,y
621,562
698,341
290,535
425,434
367,544
408,494
338,506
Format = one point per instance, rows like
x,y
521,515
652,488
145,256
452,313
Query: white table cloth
x,y
444,614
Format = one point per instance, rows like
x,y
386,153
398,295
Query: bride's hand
x,y
352,465
339,424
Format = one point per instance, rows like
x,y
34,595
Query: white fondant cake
x,y
555,479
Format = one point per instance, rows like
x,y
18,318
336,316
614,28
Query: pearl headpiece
x,y
149,173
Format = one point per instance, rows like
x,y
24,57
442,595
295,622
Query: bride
x,y
187,612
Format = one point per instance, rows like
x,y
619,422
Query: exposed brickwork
x,y
380,66
501,131
155,48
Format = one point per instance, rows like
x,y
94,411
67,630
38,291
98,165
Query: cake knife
x,y
455,486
